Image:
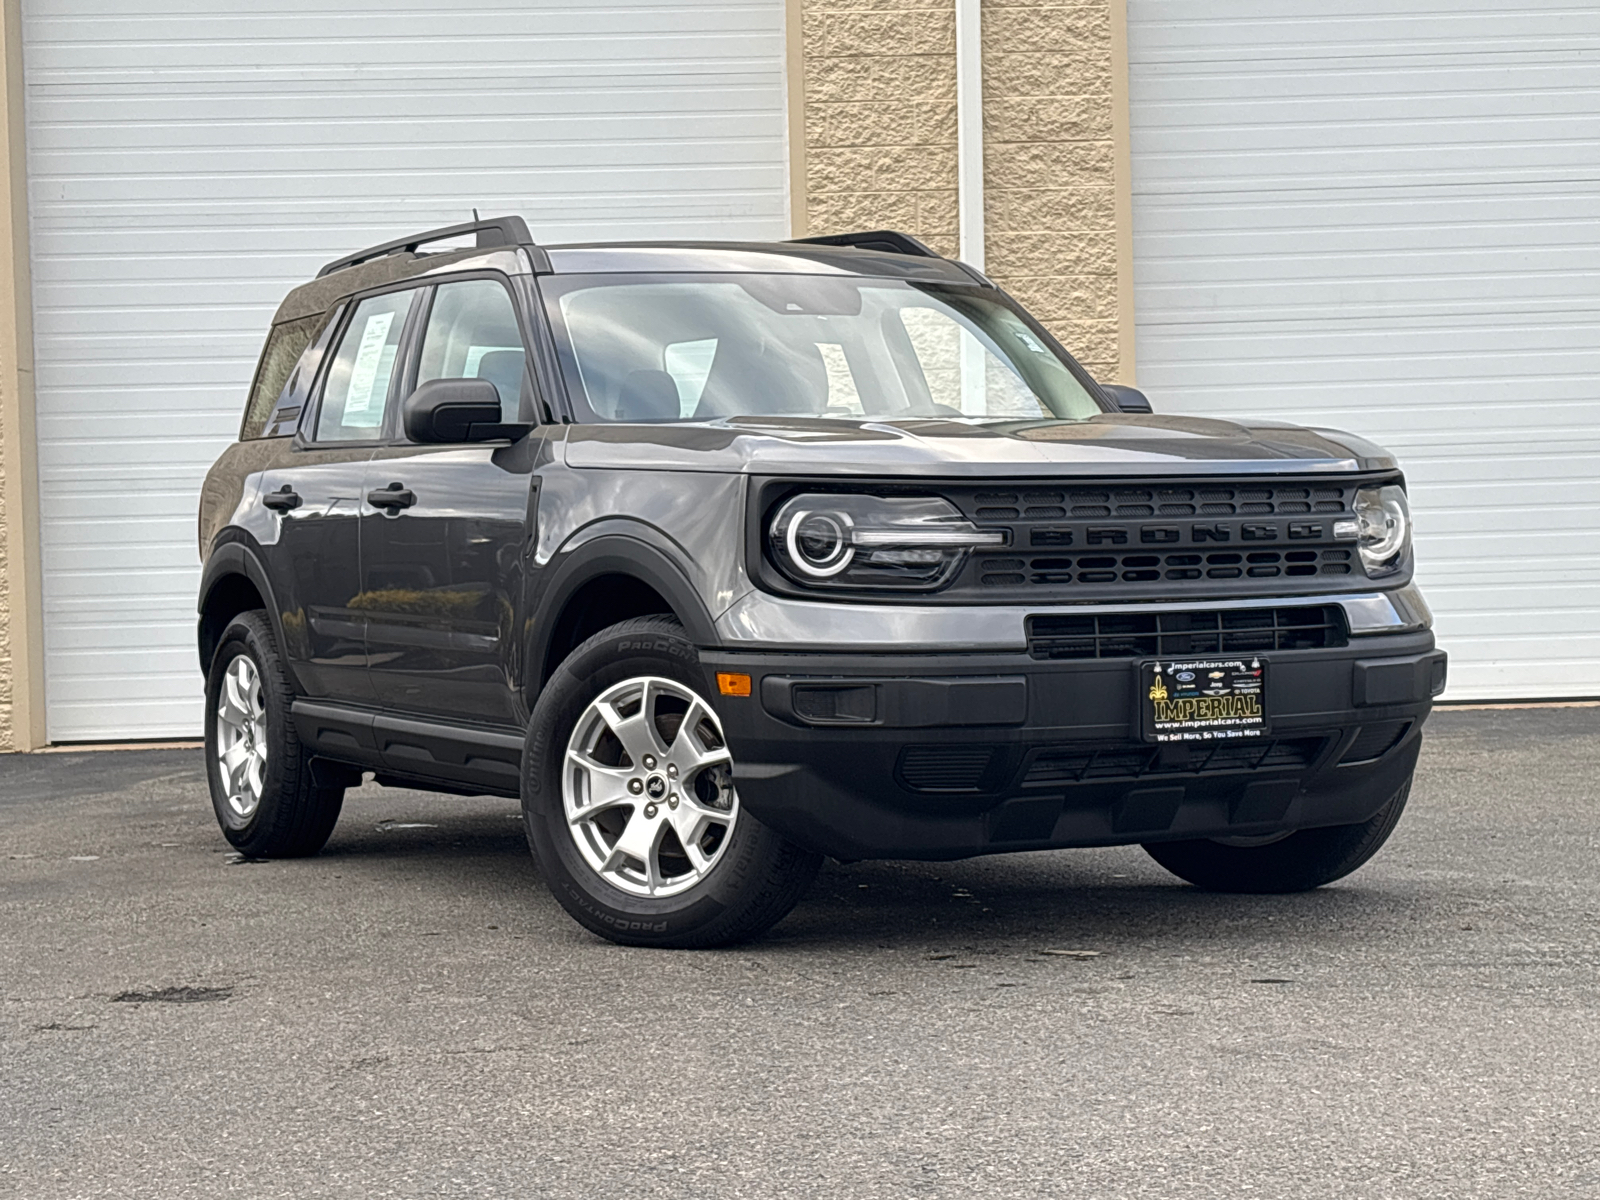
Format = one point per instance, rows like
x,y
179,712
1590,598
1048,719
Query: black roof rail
x,y
495,231
888,241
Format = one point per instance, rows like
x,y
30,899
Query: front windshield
x,y
702,347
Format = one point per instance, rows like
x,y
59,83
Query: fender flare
x,y
613,554
234,558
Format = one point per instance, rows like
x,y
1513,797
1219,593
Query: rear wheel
x,y
629,802
1296,862
263,787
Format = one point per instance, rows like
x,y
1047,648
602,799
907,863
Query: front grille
x,y
1149,568
945,768
1134,761
1155,539
1374,741
1222,500
1219,631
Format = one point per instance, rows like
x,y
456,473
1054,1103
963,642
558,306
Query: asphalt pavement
x,y
410,1014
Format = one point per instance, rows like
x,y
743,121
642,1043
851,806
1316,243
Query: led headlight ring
x,y
819,543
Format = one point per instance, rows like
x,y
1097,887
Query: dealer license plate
x,y
1203,699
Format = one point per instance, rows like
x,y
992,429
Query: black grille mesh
x,y
1133,761
1148,568
1374,741
945,768
1263,500
949,769
1224,631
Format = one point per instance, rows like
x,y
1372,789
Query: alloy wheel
x,y
242,737
647,787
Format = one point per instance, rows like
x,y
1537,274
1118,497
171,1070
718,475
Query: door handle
x,y
282,500
394,497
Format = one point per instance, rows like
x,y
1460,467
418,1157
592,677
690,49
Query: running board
x,y
464,757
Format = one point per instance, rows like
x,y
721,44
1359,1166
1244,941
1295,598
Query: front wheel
x,y
1299,862
629,803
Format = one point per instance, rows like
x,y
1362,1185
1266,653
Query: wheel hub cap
x,y
242,737
647,787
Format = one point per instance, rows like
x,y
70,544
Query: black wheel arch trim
x,y
236,557
614,554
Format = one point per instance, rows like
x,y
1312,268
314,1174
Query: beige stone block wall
x,y
15,334
880,117
1050,169
880,147
8,737
21,649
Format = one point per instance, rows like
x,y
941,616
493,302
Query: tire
x,y
263,788
621,713
1300,862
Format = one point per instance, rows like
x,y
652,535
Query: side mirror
x,y
457,410
1128,399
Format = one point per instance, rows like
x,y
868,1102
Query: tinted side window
x,y
356,394
472,334
285,344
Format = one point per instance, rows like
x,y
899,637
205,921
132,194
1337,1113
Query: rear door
x,y
442,565
318,501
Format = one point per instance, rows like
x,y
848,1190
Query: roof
x,y
798,258
395,262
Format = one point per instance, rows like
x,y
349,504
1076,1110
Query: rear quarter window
x,y
285,344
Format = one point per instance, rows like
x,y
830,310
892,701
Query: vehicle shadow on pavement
x,y
1064,899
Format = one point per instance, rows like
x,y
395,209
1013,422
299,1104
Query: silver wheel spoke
x,y
636,733
641,841
687,752
254,766
233,761
234,708
605,787
690,824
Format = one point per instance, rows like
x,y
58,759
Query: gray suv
x,y
724,557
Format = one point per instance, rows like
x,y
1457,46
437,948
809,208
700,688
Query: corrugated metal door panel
x,y
1389,222
192,160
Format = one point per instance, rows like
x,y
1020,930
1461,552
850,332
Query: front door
x,y
442,565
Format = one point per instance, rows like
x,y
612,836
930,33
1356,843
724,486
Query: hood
x,y
1109,444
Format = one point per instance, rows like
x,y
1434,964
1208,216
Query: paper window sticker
x,y
369,356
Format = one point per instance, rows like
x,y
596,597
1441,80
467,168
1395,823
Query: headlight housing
x,y
1385,529
906,543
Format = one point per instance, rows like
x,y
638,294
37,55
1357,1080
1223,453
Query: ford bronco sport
x,y
724,557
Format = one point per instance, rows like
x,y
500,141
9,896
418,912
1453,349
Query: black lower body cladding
x,y
947,756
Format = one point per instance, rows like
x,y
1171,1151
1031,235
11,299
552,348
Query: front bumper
x,y
938,756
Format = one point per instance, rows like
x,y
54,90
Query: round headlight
x,y
819,542
1385,528
848,540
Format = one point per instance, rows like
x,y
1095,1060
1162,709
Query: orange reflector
x,y
730,683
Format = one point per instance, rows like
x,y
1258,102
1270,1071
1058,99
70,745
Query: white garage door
x,y
1391,224
191,160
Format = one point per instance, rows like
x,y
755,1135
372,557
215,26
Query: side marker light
x,y
733,683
